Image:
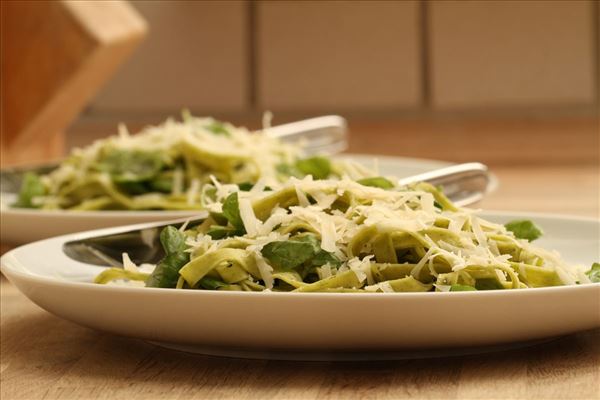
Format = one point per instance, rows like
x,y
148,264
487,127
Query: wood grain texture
x,y
509,141
44,357
511,53
562,189
55,56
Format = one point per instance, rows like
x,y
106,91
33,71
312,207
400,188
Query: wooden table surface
x,y
42,356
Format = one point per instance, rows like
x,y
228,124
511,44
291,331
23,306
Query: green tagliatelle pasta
x,y
171,167
350,236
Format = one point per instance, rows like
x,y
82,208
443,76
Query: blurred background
x,y
508,83
359,58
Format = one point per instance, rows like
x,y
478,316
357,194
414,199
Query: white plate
x,y
225,322
20,226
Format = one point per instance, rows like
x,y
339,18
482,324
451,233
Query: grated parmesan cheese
x,y
251,223
129,265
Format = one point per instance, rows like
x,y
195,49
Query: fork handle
x,y
464,184
327,134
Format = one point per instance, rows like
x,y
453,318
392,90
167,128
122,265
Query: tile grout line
x,y
596,46
423,16
251,41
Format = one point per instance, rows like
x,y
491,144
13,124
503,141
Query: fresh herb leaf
x,y
219,232
219,218
31,187
130,166
288,170
218,128
594,272
320,257
376,181
318,167
324,257
524,229
210,192
211,283
132,187
461,288
303,249
488,284
308,238
231,211
163,182
172,240
245,186
288,255
166,273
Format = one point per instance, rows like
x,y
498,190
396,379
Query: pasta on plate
x,y
348,236
165,167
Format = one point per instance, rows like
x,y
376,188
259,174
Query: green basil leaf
x,y
324,257
172,240
166,273
130,166
376,181
245,186
287,255
132,187
524,229
218,128
219,218
220,232
210,192
163,182
461,288
320,257
302,249
594,272
488,284
31,187
231,211
211,283
308,238
288,170
318,167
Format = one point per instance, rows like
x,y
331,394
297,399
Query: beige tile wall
x,y
196,55
511,53
338,55
366,56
